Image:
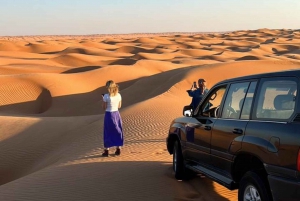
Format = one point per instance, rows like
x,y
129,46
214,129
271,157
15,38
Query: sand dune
x,y
77,59
52,121
197,53
94,51
158,56
17,92
22,68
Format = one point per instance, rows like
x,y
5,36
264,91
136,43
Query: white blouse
x,y
112,102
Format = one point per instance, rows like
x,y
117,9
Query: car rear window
x,y
277,99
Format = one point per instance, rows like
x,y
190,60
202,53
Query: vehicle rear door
x,y
271,129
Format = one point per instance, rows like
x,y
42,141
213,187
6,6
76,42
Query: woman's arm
x,y
104,105
104,101
120,103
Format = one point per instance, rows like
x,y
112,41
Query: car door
x,y
200,127
273,110
228,130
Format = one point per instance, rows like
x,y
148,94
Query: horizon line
x,y
142,33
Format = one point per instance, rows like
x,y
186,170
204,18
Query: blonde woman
x,y
113,131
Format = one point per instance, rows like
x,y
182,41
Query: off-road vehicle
x,y
244,134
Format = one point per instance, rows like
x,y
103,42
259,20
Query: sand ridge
x,y
52,121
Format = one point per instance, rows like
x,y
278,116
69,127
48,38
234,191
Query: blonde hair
x,y
112,88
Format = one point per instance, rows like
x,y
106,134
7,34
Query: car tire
x,y
178,164
254,187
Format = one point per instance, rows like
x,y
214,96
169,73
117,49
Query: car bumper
x,y
284,189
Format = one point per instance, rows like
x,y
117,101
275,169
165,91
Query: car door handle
x,y
197,126
208,128
237,131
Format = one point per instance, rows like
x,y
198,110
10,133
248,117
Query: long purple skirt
x,y
113,131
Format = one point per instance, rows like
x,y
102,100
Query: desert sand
x,y
52,121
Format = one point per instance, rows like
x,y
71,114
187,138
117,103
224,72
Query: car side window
x,y
236,94
211,104
246,103
276,99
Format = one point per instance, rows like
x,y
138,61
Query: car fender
x,y
259,147
178,130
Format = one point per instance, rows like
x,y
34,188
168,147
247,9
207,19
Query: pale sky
x,y
80,17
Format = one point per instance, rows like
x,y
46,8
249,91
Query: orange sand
x,y
51,116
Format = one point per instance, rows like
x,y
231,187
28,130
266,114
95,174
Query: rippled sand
x,y
52,121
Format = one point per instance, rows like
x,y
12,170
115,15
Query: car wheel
x,y
253,187
178,165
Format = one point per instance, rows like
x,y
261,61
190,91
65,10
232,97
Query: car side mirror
x,y
187,111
